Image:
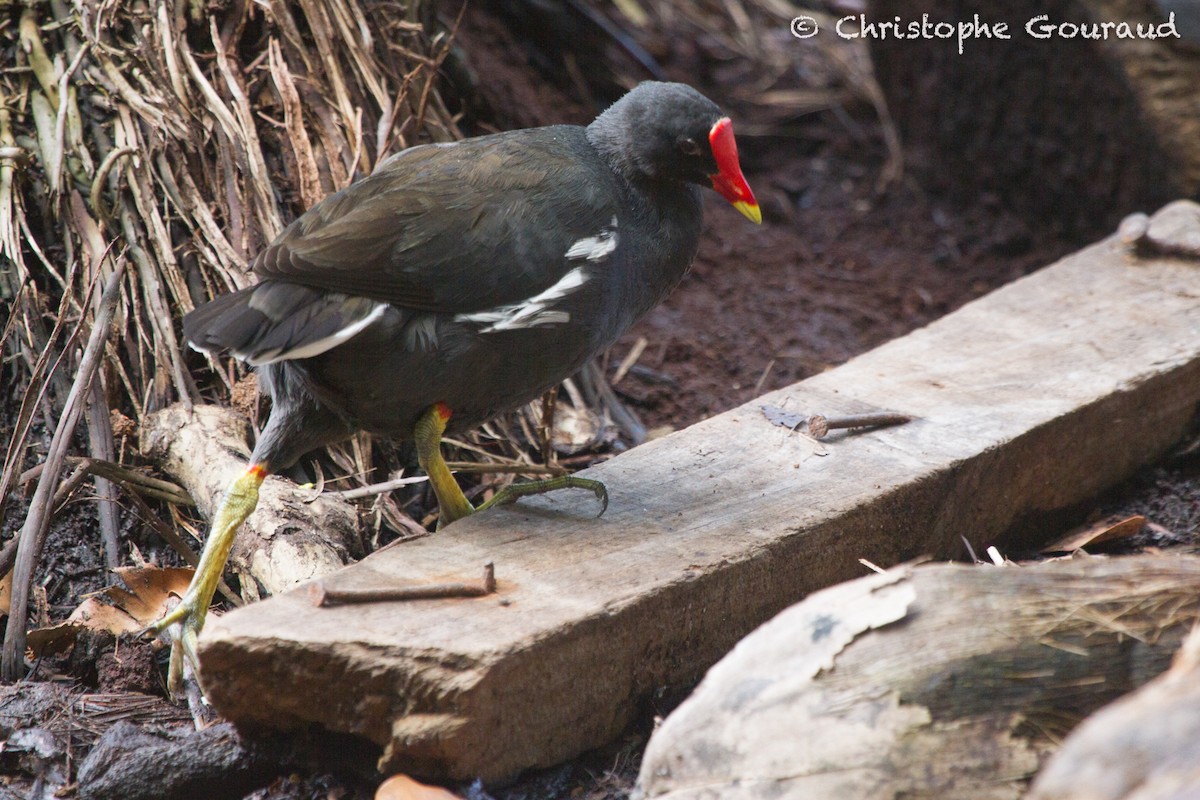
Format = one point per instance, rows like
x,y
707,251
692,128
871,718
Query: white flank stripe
x,y
594,248
534,311
320,345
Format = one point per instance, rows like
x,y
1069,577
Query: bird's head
x,y
671,131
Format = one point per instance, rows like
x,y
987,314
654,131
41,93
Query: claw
x,y
186,619
173,616
601,492
452,503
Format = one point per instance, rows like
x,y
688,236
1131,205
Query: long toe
x,y
514,492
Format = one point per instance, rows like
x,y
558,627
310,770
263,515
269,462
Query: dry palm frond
x,y
184,142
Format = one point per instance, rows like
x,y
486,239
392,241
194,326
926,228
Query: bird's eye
x,y
689,147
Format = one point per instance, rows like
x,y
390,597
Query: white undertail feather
x,y
317,347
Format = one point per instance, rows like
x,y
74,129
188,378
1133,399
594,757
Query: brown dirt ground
x,y
839,266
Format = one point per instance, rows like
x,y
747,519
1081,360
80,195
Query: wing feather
x,y
454,228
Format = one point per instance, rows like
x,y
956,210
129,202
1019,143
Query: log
x,y
827,700
286,541
44,726
147,763
131,762
1029,402
1142,747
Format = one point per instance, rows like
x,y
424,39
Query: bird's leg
x,y
239,501
427,434
451,500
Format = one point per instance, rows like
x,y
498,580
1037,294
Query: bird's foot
x,y
184,622
515,491
452,503
187,618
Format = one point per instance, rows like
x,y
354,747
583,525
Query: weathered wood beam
x,y
1029,402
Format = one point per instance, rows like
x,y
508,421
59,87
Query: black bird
x,y
459,281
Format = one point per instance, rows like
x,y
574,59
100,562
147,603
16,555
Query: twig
x,y
629,360
375,488
322,594
621,414
54,168
37,523
38,382
872,566
546,424
763,377
970,550
486,467
132,479
136,482
110,161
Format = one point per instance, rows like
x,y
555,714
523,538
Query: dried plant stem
x,y
600,394
377,488
133,480
37,523
489,467
38,380
100,440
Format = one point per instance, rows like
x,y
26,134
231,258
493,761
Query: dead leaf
x,y
576,427
53,640
5,593
143,600
402,787
150,589
100,616
1105,530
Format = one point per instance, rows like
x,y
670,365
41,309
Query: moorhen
x,y
459,281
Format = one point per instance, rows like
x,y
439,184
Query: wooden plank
x,y
1029,402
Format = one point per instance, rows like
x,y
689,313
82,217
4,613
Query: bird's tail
x,y
278,321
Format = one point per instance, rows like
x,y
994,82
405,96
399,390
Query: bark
x,y
929,682
1142,747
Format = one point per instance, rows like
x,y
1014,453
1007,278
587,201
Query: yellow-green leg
x,y
240,499
452,503
427,435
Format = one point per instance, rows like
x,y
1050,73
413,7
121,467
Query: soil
x,y
842,263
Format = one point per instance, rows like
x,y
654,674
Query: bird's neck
x,y
609,134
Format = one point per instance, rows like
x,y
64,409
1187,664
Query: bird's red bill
x,y
729,181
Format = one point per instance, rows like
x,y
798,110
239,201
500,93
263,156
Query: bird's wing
x,y
454,228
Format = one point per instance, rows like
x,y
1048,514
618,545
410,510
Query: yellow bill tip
x,y
751,211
